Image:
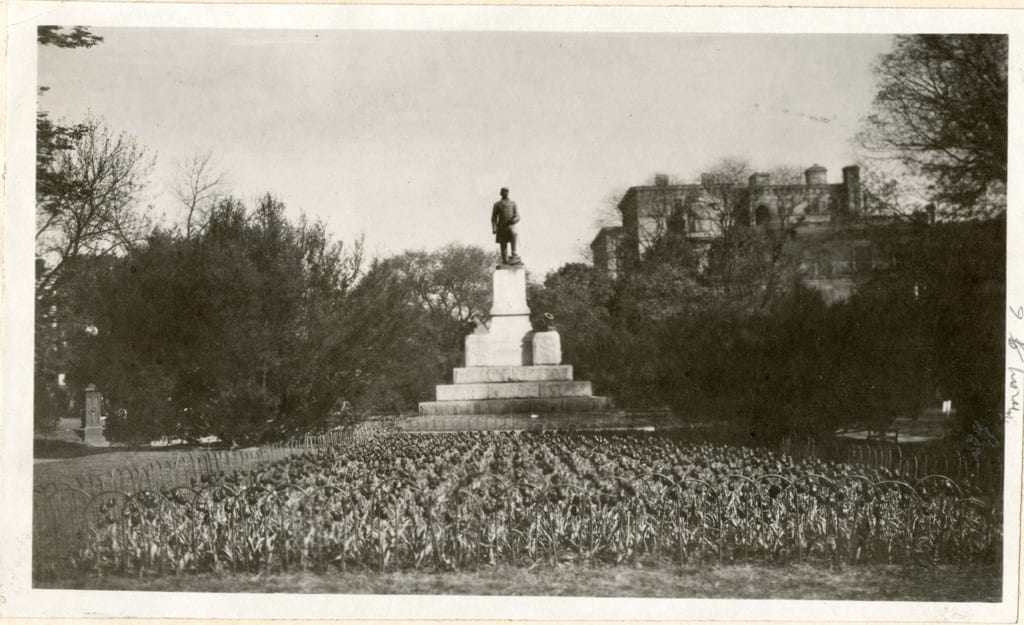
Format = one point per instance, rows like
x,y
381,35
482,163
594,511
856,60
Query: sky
x,y
406,137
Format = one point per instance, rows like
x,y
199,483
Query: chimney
x,y
760,179
661,180
851,185
816,174
711,180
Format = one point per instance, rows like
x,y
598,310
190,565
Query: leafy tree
x,y
64,333
955,274
855,364
77,37
941,109
452,283
240,331
87,182
452,287
387,346
88,185
580,298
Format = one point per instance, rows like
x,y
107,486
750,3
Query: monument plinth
x,y
507,339
512,370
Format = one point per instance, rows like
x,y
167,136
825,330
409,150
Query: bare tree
x,y
722,208
608,214
724,193
199,186
750,253
778,259
87,199
893,192
786,175
941,110
730,170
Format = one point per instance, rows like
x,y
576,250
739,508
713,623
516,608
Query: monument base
x,y
602,421
92,436
514,377
508,342
516,405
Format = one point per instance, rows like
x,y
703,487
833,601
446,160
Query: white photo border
x,y
18,598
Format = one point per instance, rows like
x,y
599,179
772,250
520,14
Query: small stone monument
x,y
92,426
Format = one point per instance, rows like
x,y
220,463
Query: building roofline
x,y
696,185
606,231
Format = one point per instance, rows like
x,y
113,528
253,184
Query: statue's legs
x,y
504,252
515,243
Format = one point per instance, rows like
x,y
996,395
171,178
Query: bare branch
x,y
941,110
199,186
87,196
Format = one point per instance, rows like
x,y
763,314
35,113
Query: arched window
x,y
678,219
762,215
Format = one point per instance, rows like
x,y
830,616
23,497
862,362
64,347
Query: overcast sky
x,y
407,136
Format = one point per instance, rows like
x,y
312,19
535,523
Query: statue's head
x,y
504,192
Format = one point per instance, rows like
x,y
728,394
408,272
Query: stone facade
x,y
822,217
605,249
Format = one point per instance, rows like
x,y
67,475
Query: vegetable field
x,y
443,502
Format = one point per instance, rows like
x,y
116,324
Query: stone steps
x,y
593,421
521,405
511,390
530,373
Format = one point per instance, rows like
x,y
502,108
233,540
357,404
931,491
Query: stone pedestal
x,y
93,436
507,340
510,291
547,348
512,370
477,350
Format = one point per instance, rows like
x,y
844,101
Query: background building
x,y
825,220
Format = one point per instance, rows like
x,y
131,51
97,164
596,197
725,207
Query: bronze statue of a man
x,y
504,217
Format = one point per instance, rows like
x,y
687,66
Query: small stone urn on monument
x,y
547,345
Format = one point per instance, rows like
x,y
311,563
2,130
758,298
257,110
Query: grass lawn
x,y
60,456
97,461
797,581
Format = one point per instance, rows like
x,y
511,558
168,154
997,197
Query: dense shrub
x,y
781,362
